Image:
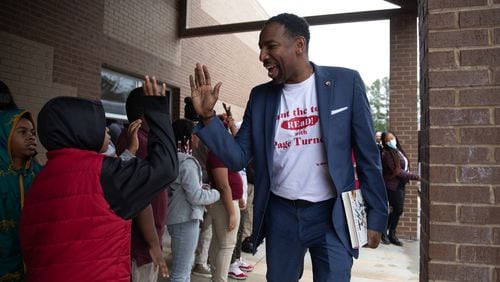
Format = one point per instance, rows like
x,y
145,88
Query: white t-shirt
x,y
300,169
404,159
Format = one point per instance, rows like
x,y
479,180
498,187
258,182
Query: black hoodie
x,y
128,186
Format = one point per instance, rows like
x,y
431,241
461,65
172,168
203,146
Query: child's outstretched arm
x,y
129,186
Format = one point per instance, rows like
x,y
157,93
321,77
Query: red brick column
x,y
460,87
403,108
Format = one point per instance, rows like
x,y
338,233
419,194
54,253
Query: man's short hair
x,y
294,25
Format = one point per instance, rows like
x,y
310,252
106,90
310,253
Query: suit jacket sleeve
x,y
234,152
368,165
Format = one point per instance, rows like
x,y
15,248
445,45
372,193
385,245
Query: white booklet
x,y
355,213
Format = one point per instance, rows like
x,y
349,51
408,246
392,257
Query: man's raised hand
x,y
203,95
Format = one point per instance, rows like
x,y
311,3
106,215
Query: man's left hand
x,y
373,239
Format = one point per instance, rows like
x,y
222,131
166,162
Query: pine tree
x,y
378,96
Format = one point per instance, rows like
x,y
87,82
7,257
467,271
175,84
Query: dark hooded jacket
x,y
14,185
75,221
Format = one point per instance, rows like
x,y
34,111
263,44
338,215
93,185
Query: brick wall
x,y
403,109
66,27
460,138
26,67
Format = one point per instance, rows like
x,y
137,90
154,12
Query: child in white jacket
x,y
187,200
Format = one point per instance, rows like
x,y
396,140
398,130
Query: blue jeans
x,y
184,238
292,229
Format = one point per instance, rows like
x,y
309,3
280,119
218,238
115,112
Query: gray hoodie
x,y
187,199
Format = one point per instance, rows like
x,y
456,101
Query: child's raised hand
x,y
133,140
150,87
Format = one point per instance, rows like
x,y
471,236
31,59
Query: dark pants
x,y
291,230
397,202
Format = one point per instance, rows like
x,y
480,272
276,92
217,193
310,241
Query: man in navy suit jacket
x,y
301,129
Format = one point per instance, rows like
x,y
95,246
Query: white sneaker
x,y
235,272
244,265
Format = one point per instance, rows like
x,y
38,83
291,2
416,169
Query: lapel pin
x,y
328,83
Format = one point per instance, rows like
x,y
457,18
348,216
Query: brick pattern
x,y
71,28
147,25
403,109
460,139
26,67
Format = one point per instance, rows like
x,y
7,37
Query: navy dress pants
x,y
294,227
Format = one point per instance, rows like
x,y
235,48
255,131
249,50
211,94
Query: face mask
x,y
111,152
392,144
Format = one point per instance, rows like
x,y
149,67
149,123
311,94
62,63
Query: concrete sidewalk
x,y
386,263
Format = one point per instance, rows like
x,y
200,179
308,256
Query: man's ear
x,y
300,44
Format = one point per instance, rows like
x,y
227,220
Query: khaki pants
x,y
248,217
223,241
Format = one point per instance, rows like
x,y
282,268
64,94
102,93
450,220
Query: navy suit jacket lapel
x,y
272,103
324,89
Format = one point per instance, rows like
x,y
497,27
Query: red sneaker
x,y
244,265
235,272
